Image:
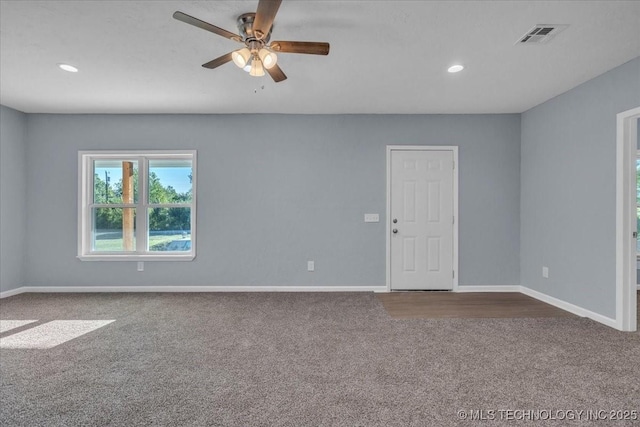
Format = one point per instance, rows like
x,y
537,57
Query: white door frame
x,y
454,150
626,261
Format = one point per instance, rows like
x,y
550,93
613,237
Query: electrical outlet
x,y
140,266
311,266
545,272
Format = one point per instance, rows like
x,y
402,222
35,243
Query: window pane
x,y
170,229
114,229
170,181
115,181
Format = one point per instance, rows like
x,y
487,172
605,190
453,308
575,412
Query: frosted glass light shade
x,y
268,59
256,67
241,57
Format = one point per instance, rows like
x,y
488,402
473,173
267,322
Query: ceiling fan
x,y
258,55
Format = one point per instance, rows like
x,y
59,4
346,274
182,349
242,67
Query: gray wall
x,y
276,190
13,199
568,189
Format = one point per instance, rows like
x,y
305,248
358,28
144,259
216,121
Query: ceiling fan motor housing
x,y
245,28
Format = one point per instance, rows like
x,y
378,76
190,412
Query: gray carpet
x,y
303,359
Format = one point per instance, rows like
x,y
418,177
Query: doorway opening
x,y
626,220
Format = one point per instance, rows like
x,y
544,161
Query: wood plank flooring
x,y
426,305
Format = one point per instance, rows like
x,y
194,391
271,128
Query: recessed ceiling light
x,y
455,68
69,68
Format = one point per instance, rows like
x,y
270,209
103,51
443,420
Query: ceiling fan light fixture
x,y
268,58
257,70
241,57
455,68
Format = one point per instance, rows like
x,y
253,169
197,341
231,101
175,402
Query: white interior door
x,y
422,218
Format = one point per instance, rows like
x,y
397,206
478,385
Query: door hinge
x,y
454,274
635,234
454,164
453,220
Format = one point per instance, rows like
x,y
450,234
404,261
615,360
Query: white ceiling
x,y
386,56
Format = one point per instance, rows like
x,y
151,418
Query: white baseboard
x,y
12,292
579,311
82,289
495,288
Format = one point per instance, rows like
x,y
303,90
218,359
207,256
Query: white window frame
x,y
85,202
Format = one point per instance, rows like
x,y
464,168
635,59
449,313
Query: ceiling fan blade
x,y
313,48
276,73
206,26
265,15
218,61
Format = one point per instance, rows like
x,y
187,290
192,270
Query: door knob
x,y
395,231
395,220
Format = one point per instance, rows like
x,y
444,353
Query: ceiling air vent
x,y
541,33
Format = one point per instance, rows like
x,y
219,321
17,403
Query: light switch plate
x,y
371,218
545,272
311,266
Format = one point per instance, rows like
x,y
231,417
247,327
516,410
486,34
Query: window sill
x,y
189,257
